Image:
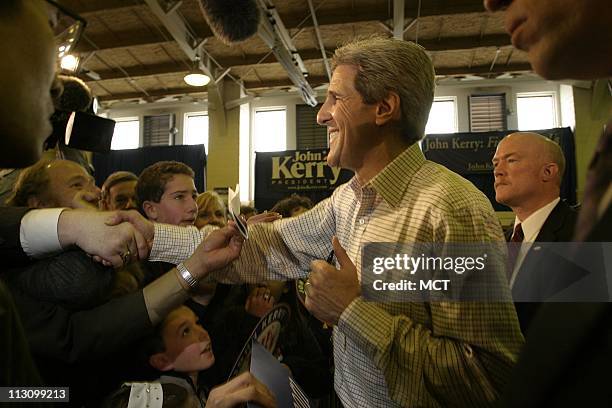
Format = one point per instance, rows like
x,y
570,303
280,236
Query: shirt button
x,y
361,221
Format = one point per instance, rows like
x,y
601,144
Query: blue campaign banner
x,y
469,154
302,172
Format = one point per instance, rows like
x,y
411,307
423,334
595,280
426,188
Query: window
x,y
308,133
127,134
196,129
443,116
536,111
487,112
270,130
158,130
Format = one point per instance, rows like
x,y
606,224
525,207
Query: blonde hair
x,y
205,199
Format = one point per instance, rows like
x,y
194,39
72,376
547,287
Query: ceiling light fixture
x,y
196,77
69,63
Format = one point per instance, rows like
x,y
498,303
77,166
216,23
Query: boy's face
x,y
177,205
188,346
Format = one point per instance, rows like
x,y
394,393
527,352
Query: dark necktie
x,y
598,181
514,248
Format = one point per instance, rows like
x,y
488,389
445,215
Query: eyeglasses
x,y
67,27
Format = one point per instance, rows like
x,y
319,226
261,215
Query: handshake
x,y
116,238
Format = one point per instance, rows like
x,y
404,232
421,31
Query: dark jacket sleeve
x,y
71,279
16,365
11,252
87,335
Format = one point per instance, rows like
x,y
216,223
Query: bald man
x,y
528,170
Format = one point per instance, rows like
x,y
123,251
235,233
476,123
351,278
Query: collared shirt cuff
x,y
163,295
38,232
174,244
367,325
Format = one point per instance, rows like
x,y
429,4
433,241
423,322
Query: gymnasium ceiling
x,y
128,53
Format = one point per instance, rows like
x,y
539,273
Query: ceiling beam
x,y
444,44
484,69
481,69
315,81
86,8
133,38
465,43
153,93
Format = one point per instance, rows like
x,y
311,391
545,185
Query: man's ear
x,y
388,109
150,210
550,171
161,362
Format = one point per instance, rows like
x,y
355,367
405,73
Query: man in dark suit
x,y
528,169
568,351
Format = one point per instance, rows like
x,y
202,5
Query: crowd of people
x,y
143,281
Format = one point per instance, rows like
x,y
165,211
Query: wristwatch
x,y
186,275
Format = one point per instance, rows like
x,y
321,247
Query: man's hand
x,y
144,226
241,389
113,244
329,290
220,247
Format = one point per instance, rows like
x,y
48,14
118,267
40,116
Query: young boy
x,y
180,349
166,193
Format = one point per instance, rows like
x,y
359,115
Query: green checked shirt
x,y
389,354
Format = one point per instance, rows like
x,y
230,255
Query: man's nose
x,y
95,190
131,204
498,170
323,116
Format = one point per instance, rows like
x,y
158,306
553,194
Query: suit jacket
x,y
544,274
568,351
11,252
566,359
89,350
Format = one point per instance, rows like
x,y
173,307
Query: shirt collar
x,y
532,225
392,181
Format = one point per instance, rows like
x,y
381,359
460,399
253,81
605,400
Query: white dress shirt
x,y
531,228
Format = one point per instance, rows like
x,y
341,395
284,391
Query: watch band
x,y
186,275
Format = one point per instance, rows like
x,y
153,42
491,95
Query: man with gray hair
x,y
386,354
